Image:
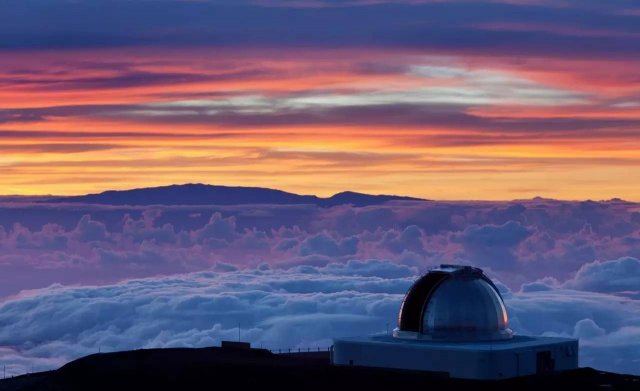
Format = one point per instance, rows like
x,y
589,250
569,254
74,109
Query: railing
x,y
300,350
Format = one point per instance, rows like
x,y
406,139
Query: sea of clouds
x,y
77,279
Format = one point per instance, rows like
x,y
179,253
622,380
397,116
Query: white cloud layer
x,y
304,306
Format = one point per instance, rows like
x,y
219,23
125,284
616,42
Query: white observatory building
x,y
453,321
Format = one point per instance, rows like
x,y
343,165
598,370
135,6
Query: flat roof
x,y
518,341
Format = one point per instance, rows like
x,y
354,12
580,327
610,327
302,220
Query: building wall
x,y
525,361
459,363
367,354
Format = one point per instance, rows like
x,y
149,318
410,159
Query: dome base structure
x,y
453,321
491,360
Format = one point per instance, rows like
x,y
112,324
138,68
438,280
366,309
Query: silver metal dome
x,y
453,303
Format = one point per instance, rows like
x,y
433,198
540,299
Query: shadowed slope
x,y
257,369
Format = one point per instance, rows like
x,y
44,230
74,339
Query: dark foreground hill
x,y
200,194
256,369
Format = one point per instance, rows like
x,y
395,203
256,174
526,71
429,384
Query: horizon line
x,y
417,198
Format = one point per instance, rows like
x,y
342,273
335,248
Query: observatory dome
x,y
453,303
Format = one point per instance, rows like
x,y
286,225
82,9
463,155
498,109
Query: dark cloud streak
x,y
125,79
443,26
412,117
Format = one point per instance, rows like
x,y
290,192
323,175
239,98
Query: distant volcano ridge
x,y
202,194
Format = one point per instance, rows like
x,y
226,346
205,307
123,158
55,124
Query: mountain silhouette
x,y
256,369
201,194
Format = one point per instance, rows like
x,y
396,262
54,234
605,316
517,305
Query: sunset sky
x,y
444,100
487,102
